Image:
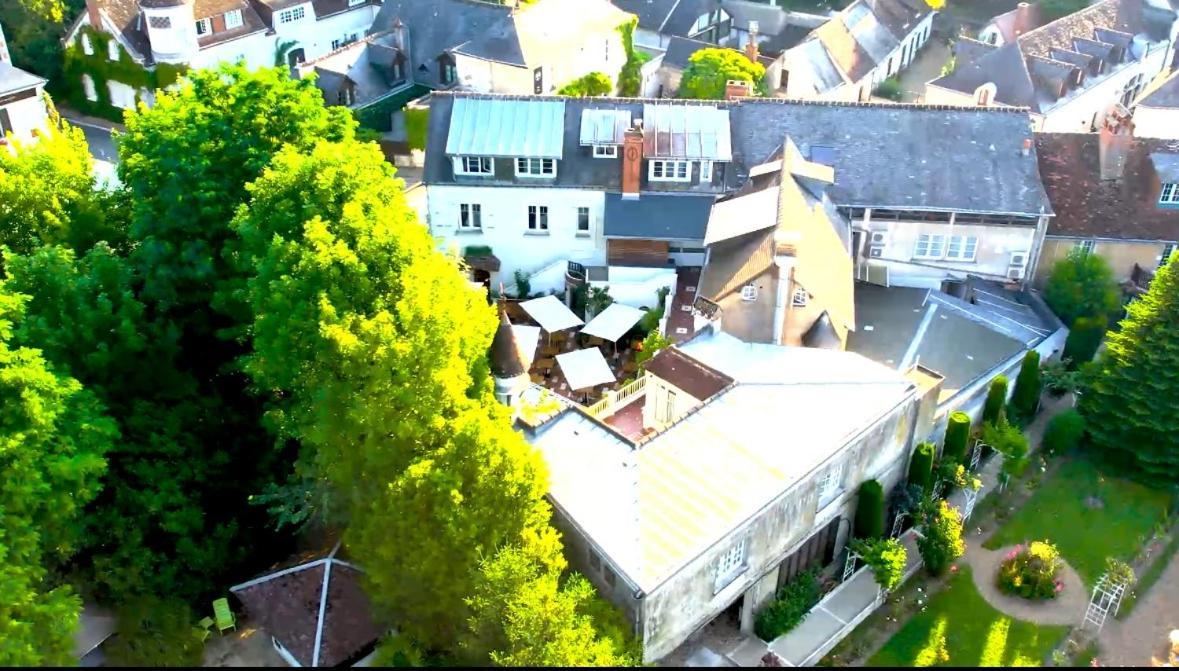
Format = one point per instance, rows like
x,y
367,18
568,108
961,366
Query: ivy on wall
x,y
631,77
102,70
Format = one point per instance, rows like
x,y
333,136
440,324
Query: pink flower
x,y
953,568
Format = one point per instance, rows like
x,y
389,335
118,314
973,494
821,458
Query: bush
x,y
650,347
630,78
1119,571
889,88
1031,572
870,510
996,399
957,438
941,540
593,84
1081,285
416,122
1063,432
523,285
1083,339
1011,443
155,632
1026,396
790,606
886,558
921,467
1060,378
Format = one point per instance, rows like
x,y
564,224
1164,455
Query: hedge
x,y
957,438
1083,339
1028,385
870,511
921,467
1063,432
790,606
996,399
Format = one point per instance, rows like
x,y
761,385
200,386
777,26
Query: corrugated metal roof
x,y
606,126
508,128
686,131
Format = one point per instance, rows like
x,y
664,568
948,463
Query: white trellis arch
x,y
849,565
1106,599
897,525
968,505
976,454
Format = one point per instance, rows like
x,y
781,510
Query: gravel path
x,y
1068,608
1143,635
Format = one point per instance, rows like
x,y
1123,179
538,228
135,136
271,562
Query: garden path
x,y
1143,635
1068,608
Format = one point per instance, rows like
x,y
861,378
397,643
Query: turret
x,y
508,367
171,29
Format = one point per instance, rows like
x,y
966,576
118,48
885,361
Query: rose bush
x,y
1032,571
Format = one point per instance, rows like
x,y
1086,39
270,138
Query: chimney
x,y
735,88
1113,144
751,50
1027,147
632,160
93,13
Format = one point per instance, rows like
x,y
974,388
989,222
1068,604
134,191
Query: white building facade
x,y
22,101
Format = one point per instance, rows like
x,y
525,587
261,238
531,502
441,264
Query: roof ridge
x,y
1091,8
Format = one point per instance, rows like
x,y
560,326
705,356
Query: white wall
x,y
657,400
560,68
27,115
505,224
1160,122
650,39
992,258
638,287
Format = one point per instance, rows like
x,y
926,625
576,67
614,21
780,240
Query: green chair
x,y
225,618
204,628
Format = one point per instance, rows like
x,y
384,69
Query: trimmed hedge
x,y
1063,432
1028,385
790,606
1083,339
996,400
870,510
921,467
957,438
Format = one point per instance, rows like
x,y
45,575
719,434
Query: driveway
x,y
102,145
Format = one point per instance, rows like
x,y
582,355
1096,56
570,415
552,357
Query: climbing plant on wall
x,y
102,70
631,77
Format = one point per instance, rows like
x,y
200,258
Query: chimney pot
x,y
632,160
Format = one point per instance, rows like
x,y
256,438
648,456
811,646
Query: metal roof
x,y
603,126
507,128
687,132
1166,165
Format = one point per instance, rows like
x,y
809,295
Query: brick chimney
x,y
632,160
751,50
1113,145
95,16
735,88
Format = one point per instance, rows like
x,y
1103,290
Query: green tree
x,y
870,510
1026,396
921,466
1084,339
885,556
53,434
709,69
941,536
654,342
1081,285
957,438
1129,405
1064,432
996,400
34,35
1009,441
154,632
1055,9
592,84
47,194
630,78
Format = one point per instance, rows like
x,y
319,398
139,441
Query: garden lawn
x,y
1086,535
959,628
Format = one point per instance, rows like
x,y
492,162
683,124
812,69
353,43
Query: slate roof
x,y
1018,21
680,49
1163,94
779,29
885,155
657,217
671,17
1030,70
367,64
699,380
1090,207
14,79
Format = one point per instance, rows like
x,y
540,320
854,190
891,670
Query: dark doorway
x,y
5,123
732,614
816,552
295,57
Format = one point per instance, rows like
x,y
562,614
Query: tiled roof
x,y
657,217
1090,207
699,380
1012,24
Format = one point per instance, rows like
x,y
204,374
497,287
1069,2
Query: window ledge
x,y
584,234
536,233
468,231
729,580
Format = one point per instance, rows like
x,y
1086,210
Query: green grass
x,y
975,634
1086,536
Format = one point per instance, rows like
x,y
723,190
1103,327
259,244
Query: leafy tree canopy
x,y
1081,285
709,69
593,84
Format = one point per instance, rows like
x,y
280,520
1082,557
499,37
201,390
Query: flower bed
x,y
1031,571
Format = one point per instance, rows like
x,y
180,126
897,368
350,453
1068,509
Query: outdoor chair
x,y
225,618
204,628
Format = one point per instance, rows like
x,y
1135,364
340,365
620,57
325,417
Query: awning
x,y
585,368
487,262
613,322
551,314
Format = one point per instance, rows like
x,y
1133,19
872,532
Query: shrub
x,y
523,285
921,467
886,558
1083,339
630,78
957,437
1081,285
417,121
870,510
1031,572
790,606
1026,396
592,84
1060,378
650,347
889,88
996,399
155,632
1063,432
941,540
1119,571
1011,442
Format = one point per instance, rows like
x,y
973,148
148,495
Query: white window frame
x,y
705,171
87,45
88,88
1086,246
1168,250
233,19
730,565
355,3
336,44
930,246
1169,195
583,215
112,49
538,168
605,151
830,485
292,14
964,243
204,27
668,406
538,219
800,298
477,166
470,217
749,292
669,170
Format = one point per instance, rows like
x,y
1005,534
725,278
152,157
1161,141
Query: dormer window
x,y
1169,194
662,170
204,27
233,19
606,151
446,69
800,298
536,167
748,293
479,166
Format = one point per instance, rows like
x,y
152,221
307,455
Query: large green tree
x,y
709,69
53,434
1081,285
1130,403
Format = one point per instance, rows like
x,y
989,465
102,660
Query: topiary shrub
x,y
941,536
1083,339
921,467
1026,396
957,438
1031,571
790,606
1064,432
870,510
996,400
